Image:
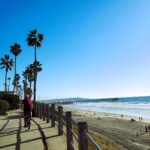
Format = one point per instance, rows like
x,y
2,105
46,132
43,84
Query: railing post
x,y
68,130
35,110
40,105
60,123
52,115
83,141
47,113
43,112
50,109
38,110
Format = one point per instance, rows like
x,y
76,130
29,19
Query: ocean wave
x,y
125,108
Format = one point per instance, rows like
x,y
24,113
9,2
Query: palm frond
x,y
6,62
40,37
34,38
38,44
2,67
15,49
6,57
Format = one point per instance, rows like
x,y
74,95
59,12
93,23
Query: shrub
x,y
3,107
13,100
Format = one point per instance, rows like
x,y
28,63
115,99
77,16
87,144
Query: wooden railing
x,y
66,125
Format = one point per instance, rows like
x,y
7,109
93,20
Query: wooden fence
x,y
56,116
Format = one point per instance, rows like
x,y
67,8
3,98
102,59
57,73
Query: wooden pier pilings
x,y
80,101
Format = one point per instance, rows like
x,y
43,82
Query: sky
x,y
91,48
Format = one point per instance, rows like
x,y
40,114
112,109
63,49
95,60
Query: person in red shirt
x,y
27,105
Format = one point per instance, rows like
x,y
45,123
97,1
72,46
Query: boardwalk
x,y
13,136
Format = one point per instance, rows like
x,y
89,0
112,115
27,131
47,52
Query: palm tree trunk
x,y
35,74
15,75
15,64
35,52
35,86
6,80
30,84
25,87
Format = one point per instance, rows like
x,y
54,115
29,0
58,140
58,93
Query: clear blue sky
x,y
92,48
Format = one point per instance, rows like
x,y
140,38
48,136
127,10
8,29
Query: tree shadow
x,y
18,137
2,128
12,128
53,136
15,131
19,142
17,115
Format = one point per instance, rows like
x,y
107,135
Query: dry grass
x,y
104,143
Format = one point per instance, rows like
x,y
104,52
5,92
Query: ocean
x,y
132,106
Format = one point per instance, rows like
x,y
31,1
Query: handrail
x,y
74,121
59,119
64,133
64,113
56,116
64,123
92,141
73,146
75,135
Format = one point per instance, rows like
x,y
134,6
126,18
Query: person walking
x,y
28,106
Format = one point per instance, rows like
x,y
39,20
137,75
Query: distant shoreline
x,y
132,106
111,115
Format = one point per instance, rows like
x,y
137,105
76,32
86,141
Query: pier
x,y
69,101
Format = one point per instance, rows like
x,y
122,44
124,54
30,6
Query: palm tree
x,y
35,39
16,80
6,63
25,75
30,74
25,85
37,66
19,91
15,50
9,83
17,84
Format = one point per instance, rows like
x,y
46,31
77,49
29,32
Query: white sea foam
x,y
126,108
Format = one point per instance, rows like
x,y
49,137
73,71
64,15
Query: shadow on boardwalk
x,y
14,136
17,115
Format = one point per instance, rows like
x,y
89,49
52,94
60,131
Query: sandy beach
x,y
127,134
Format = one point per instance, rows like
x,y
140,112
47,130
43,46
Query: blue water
x,y
133,106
